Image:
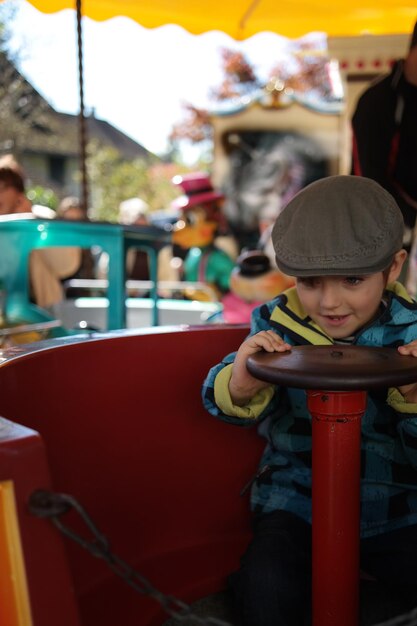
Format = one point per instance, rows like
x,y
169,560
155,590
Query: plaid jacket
x,y
389,426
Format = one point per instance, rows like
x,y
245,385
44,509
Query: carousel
x,y
120,504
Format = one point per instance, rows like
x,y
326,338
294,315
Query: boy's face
x,y
341,305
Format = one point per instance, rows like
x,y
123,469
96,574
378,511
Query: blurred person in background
x,y
132,212
384,127
70,208
47,267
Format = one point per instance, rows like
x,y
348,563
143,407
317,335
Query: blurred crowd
x,y
211,254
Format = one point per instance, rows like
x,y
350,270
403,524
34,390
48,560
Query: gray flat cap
x,y
338,225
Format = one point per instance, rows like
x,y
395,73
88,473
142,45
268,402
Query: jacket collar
x,y
401,310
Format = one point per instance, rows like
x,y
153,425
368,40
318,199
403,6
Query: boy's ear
x,y
397,265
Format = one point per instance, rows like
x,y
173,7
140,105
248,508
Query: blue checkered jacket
x,y
389,426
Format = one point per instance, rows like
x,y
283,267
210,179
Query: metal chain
x,y
53,505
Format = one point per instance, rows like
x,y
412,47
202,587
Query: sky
x,y
137,79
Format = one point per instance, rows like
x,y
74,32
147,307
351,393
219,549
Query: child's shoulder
x,y
281,299
287,298
400,293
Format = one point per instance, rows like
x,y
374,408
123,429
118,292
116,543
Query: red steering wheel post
x,y
345,373
336,433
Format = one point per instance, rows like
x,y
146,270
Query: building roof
x,y
30,124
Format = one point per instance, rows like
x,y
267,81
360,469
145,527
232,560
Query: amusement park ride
x,y
106,450
114,479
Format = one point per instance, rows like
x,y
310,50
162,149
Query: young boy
x,y
341,238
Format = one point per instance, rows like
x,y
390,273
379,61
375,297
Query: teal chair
x,y
20,234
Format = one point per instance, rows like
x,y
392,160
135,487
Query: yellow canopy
x,y
243,18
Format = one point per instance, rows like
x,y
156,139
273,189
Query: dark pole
x,y
82,128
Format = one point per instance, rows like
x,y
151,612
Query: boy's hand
x,y
242,385
409,391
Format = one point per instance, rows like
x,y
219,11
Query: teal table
x,y
20,234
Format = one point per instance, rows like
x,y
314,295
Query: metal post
x,y
336,430
82,125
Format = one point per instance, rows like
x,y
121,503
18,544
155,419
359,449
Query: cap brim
x,y
187,202
348,269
